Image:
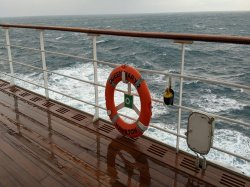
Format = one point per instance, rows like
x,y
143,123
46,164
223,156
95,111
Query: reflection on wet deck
x,y
49,144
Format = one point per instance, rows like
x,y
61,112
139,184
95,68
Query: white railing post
x,y
12,80
182,42
96,116
45,74
180,96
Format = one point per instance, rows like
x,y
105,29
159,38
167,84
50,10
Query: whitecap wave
x,y
235,142
191,82
58,38
213,103
200,26
101,41
238,141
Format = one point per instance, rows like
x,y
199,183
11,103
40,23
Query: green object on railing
x,y
128,100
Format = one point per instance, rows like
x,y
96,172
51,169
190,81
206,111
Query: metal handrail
x,y
147,71
52,90
190,77
74,98
175,36
135,94
159,35
151,71
24,47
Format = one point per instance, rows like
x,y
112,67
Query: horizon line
x,y
110,14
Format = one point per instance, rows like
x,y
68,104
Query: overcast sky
x,y
10,8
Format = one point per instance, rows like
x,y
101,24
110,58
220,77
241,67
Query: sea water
x,y
226,62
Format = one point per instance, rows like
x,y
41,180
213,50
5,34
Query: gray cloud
x,y
77,7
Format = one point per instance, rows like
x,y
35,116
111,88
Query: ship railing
x,y
182,39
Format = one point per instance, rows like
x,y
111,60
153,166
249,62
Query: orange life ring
x,y
126,74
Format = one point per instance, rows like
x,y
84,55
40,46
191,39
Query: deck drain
x,y
24,94
189,164
231,181
62,110
35,99
12,89
157,150
48,104
3,84
78,117
131,139
106,128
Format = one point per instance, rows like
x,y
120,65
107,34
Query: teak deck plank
x,y
21,175
56,149
54,173
49,181
22,161
6,178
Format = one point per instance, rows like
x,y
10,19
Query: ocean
x,y
227,62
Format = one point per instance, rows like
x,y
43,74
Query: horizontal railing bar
x,y
215,116
81,80
75,79
23,47
67,95
66,76
135,94
190,77
32,62
108,63
33,67
207,113
177,106
47,40
167,131
68,55
230,153
155,100
36,61
131,118
52,90
4,59
158,35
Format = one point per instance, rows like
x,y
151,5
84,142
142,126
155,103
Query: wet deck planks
x,y
50,144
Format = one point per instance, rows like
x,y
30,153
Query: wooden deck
x,y
45,143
